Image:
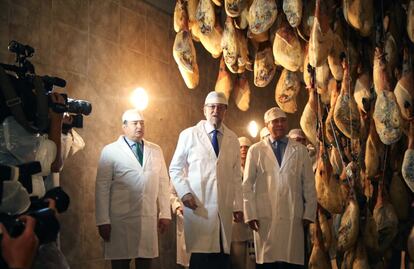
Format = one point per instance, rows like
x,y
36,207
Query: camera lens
x,y
79,106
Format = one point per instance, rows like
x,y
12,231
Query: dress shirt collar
x,y
131,143
284,140
209,128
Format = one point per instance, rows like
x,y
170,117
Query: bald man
x,y
132,177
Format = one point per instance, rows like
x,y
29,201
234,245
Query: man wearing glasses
x,y
205,171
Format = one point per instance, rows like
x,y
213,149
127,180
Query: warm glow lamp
x,y
253,128
139,98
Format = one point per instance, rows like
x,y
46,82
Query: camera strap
x,y
42,119
13,102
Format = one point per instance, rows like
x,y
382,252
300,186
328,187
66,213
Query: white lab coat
x,y
280,198
215,184
127,196
183,258
241,232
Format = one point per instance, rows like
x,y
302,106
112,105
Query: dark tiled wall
x,y
104,49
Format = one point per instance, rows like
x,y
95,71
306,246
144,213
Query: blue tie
x,y
278,151
215,143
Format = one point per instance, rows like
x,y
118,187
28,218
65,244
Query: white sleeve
x,y
174,200
238,197
179,166
249,181
103,186
164,190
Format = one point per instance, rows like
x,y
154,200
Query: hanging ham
x,y
180,16
287,49
335,55
234,7
205,16
192,21
362,93
408,162
346,114
287,89
387,118
262,14
374,153
322,80
185,57
360,15
293,11
386,112
242,93
349,228
318,259
224,82
308,120
320,42
264,66
404,90
230,45
386,219
328,191
212,42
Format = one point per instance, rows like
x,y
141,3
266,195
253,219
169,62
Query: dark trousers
x,y
279,265
140,263
209,261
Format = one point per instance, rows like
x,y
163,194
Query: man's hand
x,y
254,225
189,201
105,231
19,252
163,225
56,98
238,216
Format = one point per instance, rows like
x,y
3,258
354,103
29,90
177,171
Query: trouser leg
x,y
238,255
284,265
271,265
209,261
143,263
120,264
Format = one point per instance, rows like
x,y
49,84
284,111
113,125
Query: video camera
x,y
27,96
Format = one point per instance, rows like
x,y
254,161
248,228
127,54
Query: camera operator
x,y
49,255
19,252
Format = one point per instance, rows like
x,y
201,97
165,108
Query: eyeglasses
x,y
219,107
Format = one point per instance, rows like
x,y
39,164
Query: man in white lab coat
x,y
279,195
132,178
205,171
